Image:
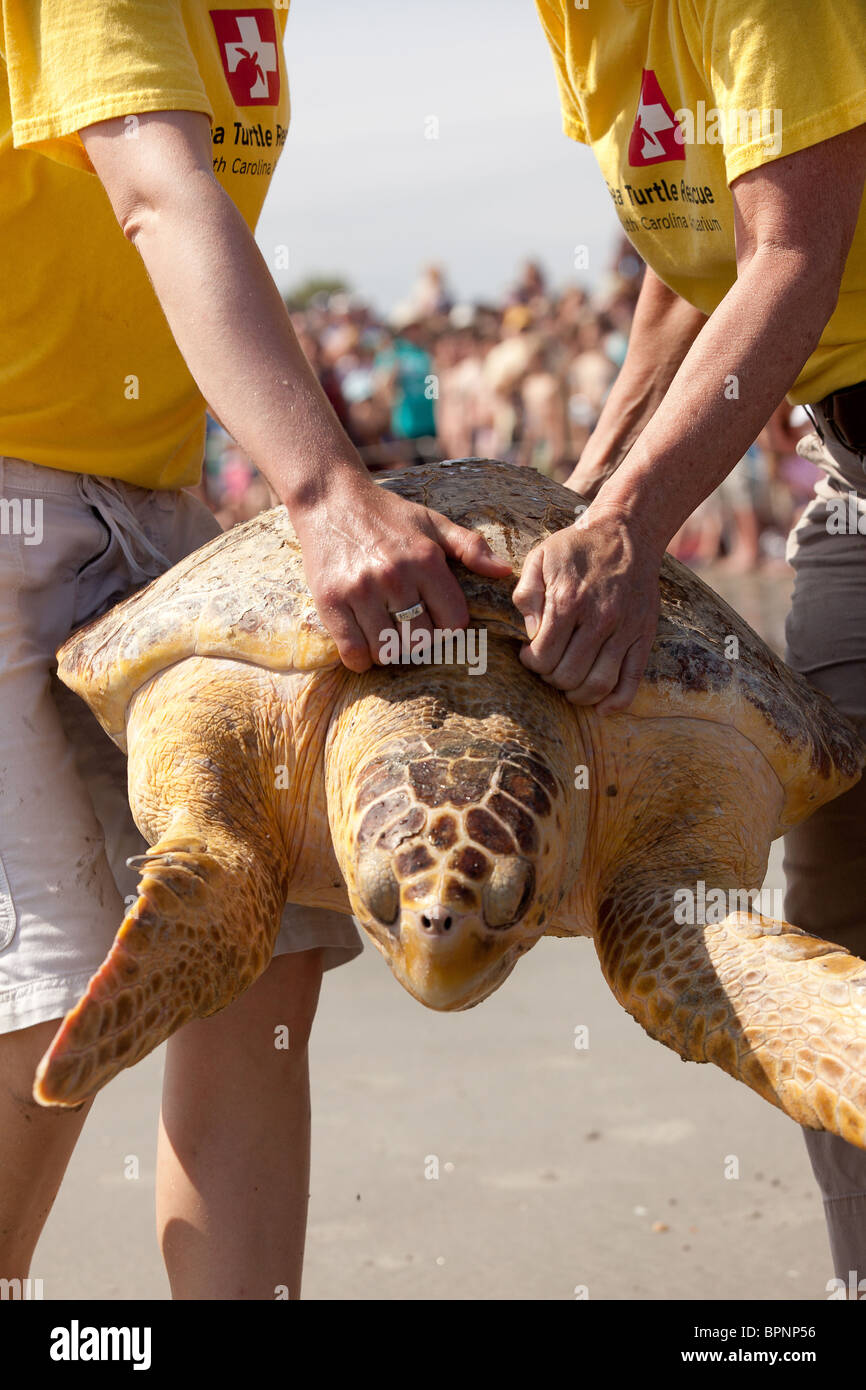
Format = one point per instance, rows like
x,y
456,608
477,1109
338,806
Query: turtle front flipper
x,y
200,932
778,1009
212,888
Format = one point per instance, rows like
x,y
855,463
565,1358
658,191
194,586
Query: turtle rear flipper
x,y
200,932
778,1009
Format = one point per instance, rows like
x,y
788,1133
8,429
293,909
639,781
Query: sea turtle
x,y
461,814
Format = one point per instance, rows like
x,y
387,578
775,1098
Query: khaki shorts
x,y
70,546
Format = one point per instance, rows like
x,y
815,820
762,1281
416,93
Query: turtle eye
x,y
508,891
378,886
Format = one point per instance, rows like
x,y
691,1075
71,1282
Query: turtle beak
x,y
448,959
446,941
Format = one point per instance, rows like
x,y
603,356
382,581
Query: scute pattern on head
x,y
449,802
504,789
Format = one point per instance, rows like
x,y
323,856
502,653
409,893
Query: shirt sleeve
x,y
70,63
550,14
783,77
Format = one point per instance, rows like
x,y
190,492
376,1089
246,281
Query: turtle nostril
x,y
436,920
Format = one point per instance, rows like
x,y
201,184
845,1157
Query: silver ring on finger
x,y
405,615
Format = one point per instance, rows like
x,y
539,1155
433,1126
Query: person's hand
x,y
589,596
369,554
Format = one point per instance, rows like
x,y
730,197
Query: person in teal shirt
x,y
408,368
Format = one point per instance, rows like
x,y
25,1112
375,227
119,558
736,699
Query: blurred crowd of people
x,y
522,380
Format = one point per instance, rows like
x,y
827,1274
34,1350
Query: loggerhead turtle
x,y
461,816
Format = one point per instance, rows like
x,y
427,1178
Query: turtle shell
x,y
244,595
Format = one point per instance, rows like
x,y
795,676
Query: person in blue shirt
x,y
407,368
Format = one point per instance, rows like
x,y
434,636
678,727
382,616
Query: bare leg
x,y
35,1147
234,1143
746,551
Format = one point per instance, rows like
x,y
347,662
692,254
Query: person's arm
x,y
589,594
366,551
794,222
662,331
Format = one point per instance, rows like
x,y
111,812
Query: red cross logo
x,y
654,137
248,47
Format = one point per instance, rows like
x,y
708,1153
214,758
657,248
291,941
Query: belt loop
x,y
829,407
810,411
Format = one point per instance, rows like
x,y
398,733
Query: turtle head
x,y
457,828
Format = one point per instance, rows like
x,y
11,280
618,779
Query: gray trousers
x,y
825,859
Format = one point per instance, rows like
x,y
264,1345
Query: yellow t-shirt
x,y
91,379
677,98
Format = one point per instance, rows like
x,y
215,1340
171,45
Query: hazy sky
x,y
360,191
